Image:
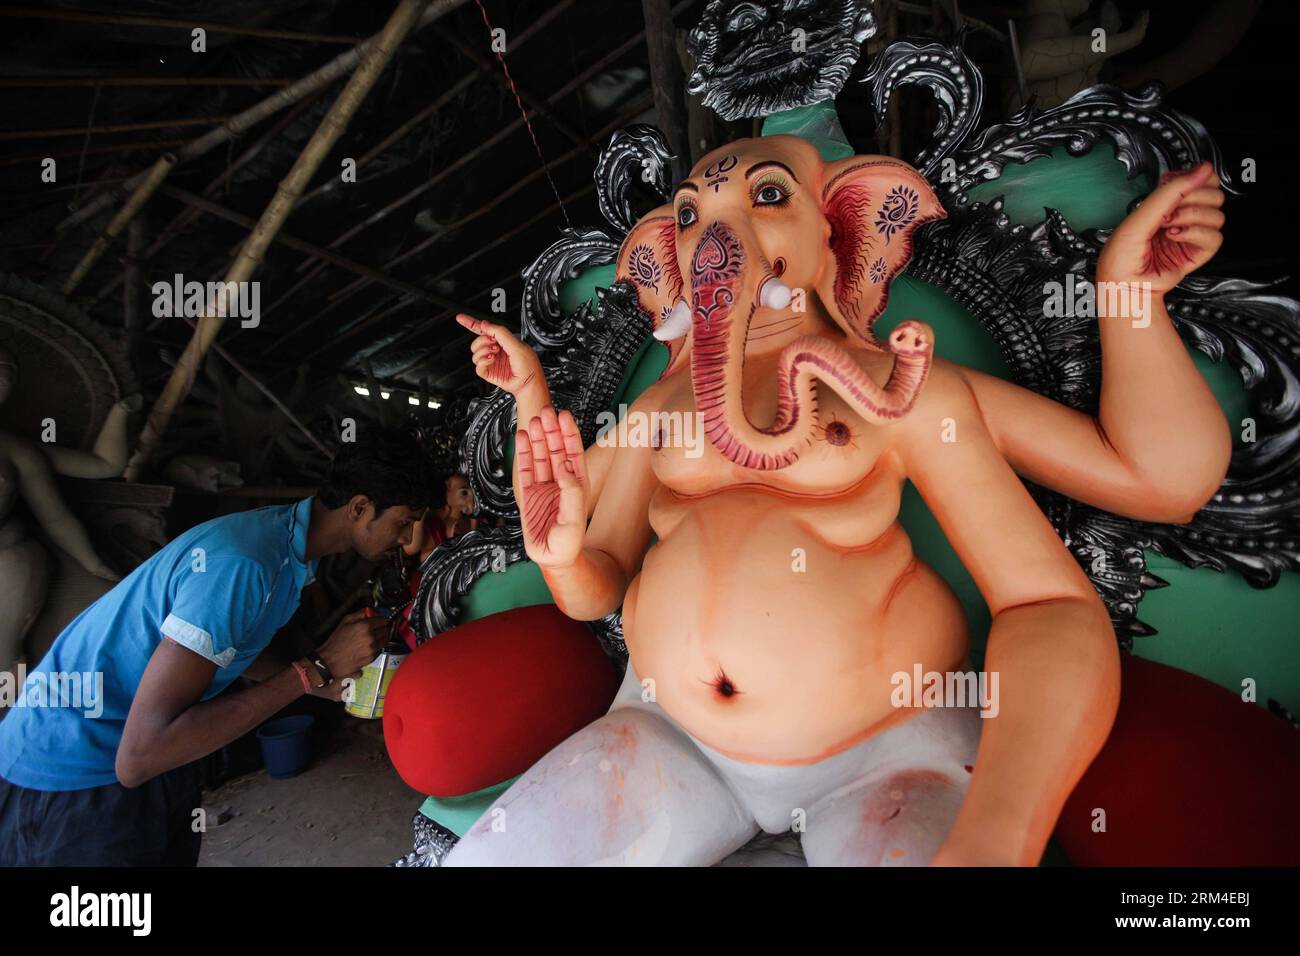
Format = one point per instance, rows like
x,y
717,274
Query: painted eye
x,y
770,195
686,216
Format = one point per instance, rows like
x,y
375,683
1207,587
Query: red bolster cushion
x,y
483,702
1192,775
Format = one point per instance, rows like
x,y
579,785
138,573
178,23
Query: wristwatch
x,y
326,677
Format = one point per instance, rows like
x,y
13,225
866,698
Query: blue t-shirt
x,y
222,589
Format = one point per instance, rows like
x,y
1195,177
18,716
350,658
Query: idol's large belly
x,y
772,645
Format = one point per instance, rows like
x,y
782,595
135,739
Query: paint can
x,y
370,689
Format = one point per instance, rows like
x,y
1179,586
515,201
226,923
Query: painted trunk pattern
x,y
723,291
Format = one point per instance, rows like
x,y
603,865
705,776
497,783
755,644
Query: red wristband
x,y
301,668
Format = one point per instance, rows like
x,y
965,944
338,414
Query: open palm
x,y
552,488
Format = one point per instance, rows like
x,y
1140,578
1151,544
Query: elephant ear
x,y
648,259
873,204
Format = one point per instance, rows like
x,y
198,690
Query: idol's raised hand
x,y
1176,230
552,488
500,358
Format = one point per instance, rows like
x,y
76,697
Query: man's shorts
x,y
151,825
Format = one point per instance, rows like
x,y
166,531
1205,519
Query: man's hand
x,y
331,692
354,644
1175,231
500,359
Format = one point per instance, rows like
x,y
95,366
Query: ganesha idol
x,y
781,597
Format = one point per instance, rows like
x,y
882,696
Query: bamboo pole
x,y
241,123
311,249
339,296
257,384
189,214
124,215
132,283
178,386
313,267
517,42
667,80
497,137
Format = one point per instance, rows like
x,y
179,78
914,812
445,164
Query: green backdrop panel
x,y
458,814
582,288
1216,625
520,585
1092,191
957,336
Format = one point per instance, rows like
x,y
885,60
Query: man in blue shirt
x,y
112,781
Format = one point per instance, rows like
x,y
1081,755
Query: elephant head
x,y
766,236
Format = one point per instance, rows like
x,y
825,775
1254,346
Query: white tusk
x,y
774,294
677,324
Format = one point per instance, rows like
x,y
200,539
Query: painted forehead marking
x,y
715,174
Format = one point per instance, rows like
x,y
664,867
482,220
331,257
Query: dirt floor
x,y
348,808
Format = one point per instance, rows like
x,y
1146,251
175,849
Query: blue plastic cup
x,y
286,745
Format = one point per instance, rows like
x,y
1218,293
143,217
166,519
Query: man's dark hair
x,y
387,465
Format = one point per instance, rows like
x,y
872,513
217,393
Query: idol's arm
x,y
616,539
1159,446
1051,645
1156,451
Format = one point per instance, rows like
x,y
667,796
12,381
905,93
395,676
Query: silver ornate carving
x,y
1148,137
957,85
431,844
544,325
636,153
998,272
749,60
452,567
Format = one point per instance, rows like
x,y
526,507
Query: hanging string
x,y
524,113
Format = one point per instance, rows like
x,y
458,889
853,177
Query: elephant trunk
x,y
725,280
